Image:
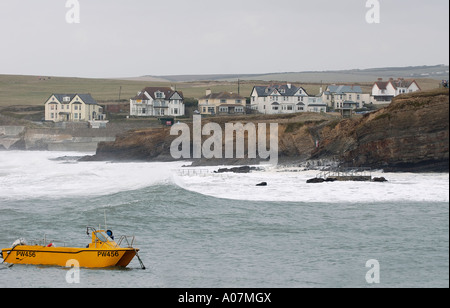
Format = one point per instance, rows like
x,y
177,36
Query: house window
x,y
175,110
75,115
223,101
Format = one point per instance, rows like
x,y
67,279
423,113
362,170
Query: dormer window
x,y
159,95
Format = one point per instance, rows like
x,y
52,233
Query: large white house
x,y
73,108
278,99
157,101
384,91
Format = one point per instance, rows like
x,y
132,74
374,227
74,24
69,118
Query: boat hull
x,y
64,256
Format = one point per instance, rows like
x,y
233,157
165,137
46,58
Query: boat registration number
x,y
107,254
30,254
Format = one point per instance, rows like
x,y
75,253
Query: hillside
x,y
354,75
34,90
412,134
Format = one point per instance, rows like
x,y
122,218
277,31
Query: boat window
x,y
102,237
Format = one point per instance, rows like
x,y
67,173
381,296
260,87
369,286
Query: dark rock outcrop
x,y
243,169
412,134
380,180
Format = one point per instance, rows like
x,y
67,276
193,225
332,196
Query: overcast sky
x,y
129,38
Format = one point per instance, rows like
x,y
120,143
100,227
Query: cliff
x,y
412,134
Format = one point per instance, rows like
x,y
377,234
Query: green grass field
x,y
34,90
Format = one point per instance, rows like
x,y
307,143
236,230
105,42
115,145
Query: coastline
x,y
410,135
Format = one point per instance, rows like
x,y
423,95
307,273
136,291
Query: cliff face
x,y
144,144
412,134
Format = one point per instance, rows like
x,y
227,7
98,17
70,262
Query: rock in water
x,y
315,180
381,180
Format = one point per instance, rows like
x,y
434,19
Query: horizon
x,y
239,74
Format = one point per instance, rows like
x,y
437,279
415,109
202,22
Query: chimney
x,y
380,79
289,85
208,92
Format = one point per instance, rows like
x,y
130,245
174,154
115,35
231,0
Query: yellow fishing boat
x,y
102,252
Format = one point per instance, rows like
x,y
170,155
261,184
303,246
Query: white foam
x,y
25,175
292,186
37,174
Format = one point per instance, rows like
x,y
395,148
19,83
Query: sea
x,y
199,229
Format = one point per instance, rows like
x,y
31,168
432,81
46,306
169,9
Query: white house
x,y
73,108
336,96
278,99
157,101
384,91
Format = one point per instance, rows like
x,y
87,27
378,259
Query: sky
x,y
131,38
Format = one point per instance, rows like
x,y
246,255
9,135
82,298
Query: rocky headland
x,y
411,134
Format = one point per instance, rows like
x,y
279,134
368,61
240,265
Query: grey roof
x,y
168,93
60,97
284,90
343,89
223,95
86,98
